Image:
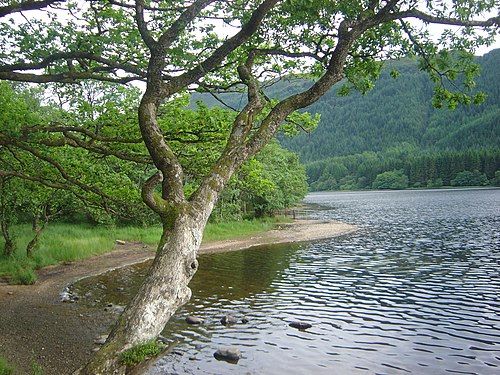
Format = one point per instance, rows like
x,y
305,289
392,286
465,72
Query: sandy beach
x,y
37,328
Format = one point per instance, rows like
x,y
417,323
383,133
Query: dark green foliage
x,y
274,179
423,168
496,179
468,178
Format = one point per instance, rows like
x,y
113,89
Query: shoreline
x,y
36,327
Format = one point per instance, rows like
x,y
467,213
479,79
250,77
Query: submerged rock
x,y
194,320
231,355
300,325
228,320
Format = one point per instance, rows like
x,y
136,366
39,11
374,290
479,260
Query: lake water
x,y
415,290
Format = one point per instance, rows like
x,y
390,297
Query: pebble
x,y
101,340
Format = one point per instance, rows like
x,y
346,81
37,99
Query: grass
x,y
72,242
238,229
139,353
5,367
66,243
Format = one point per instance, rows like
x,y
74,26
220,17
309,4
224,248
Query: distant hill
x,y
400,110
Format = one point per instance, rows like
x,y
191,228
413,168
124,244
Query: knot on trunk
x,y
191,266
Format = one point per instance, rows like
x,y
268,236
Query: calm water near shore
x,y
415,290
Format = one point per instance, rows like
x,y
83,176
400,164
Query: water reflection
x,y
415,291
229,276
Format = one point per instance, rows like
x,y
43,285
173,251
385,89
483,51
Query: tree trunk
x,y
38,229
9,245
163,291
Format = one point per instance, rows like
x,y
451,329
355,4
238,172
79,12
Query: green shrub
x,y
141,352
468,178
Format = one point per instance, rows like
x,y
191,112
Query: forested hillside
x,y
400,110
396,127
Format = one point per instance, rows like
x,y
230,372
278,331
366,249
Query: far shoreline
x,y
297,231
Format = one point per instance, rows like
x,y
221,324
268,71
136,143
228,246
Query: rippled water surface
x,y
415,290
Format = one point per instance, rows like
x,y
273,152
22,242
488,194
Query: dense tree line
x,y
412,167
395,128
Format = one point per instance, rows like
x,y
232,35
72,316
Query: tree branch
x,y
281,52
39,180
142,25
64,56
148,193
191,12
213,61
63,173
69,77
415,13
26,5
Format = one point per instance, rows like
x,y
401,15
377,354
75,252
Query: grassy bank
x,y
72,242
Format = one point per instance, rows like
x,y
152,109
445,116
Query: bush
x,y
496,179
468,178
393,180
438,182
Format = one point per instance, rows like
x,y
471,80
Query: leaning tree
x,y
220,46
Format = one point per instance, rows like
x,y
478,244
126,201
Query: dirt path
x,y
36,327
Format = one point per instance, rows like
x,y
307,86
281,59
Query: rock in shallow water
x,y
228,320
230,355
194,320
300,325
